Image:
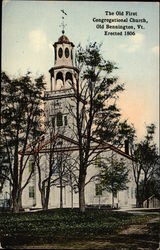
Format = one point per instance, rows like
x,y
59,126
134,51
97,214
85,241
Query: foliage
x,y
127,133
96,112
20,125
114,175
4,171
68,223
145,166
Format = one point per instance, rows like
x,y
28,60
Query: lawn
x,y
63,224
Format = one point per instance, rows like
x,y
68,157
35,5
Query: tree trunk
x,y
15,206
20,200
43,201
147,202
112,200
45,207
99,201
147,194
47,197
71,184
16,201
137,196
71,197
61,193
82,195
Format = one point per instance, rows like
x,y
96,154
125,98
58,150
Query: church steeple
x,y
63,72
62,75
63,50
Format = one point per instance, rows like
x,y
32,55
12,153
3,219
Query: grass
x,y
64,224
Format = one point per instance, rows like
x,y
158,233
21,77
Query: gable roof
x,y
40,145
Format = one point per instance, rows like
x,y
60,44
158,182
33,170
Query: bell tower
x,y
63,76
63,73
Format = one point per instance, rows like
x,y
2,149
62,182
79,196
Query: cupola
x,y
63,50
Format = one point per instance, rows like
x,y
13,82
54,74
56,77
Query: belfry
x,y
63,71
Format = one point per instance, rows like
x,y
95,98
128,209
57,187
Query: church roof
x,y
63,39
73,146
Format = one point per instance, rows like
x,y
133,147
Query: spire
x,y
62,24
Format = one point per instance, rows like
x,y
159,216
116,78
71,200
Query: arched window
x,y
59,76
68,76
60,52
66,52
59,79
59,119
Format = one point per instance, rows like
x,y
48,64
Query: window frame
x,y
66,52
30,166
98,189
31,192
65,120
60,52
59,119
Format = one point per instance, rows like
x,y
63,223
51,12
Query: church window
x,y
60,52
66,52
53,122
97,162
132,193
68,76
59,79
30,166
65,120
31,192
59,119
98,189
59,76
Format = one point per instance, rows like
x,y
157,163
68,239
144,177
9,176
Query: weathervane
x,y
62,24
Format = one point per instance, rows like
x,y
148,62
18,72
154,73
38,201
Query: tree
x,y
126,135
4,171
96,113
20,125
114,176
46,161
156,179
63,171
146,160
137,170
46,168
52,163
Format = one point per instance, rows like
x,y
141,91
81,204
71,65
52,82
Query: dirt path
x,y
144,236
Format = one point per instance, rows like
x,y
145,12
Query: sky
x,y
30,28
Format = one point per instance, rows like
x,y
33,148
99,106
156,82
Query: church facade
x,y
59,105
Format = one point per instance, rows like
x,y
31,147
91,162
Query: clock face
x,y
60,52
66,52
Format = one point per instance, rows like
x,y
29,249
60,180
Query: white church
x,y
58,105
58,101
